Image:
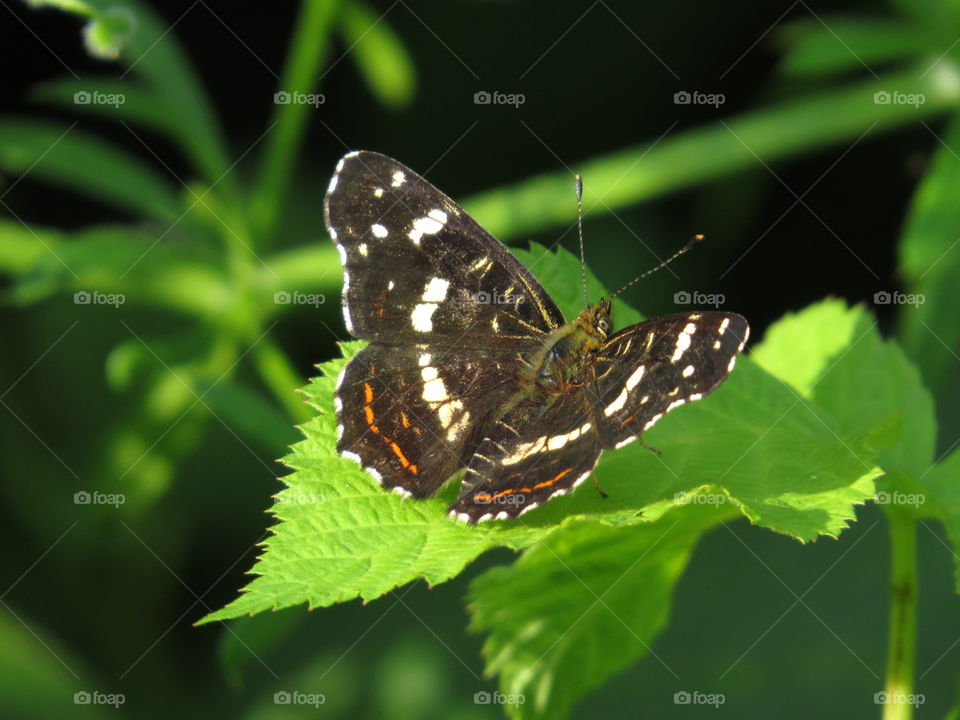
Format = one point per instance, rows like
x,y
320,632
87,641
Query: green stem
x,y
279,375
312,34
683,159
901,655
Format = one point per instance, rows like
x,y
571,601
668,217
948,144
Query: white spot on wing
x,y
378,192
617,404
635,378
436,290
688,371
398,178
723,326
378,230
421,317
424,226
333,184
363,249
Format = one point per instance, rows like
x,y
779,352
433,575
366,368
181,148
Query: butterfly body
x,y
471,367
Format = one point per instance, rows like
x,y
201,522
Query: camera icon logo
x,y
881,97
281,97
881,297
682,98
482,97
281,298
81,498
681,297
681,698
282,697
481,698
81,97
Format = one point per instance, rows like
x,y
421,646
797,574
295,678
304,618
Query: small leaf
x,y
815,47
109,33
87,165
379,54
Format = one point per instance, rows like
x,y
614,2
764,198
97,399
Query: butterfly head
x,y
594,321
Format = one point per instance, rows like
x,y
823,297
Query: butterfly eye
x,y
603,326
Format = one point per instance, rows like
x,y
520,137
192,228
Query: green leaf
x,y
340,536
87,165
815,47
247,413
23,246
107,34
379,54
942,484
581,606
930,265
119,259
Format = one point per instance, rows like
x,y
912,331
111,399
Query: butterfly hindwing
x,y
418,269
648,369
531,455
412,418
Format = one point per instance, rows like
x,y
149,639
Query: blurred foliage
x,y
204,256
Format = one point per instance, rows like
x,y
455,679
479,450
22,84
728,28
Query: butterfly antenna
x,y
693,241
578,184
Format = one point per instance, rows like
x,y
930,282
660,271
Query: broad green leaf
x,y
83,163
580,606
816,47
801,346
378,53
942,485
777,458
930,265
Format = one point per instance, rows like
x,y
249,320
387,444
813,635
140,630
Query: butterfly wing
x,y
447,309
419,270
529,456
648,369
412,419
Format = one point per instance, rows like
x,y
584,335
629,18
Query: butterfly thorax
x,y
564,356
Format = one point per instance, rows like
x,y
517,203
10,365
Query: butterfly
x,y
471,366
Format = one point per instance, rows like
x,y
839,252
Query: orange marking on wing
x,y
399,453
368,393
555,478
404,420
629,419
368,411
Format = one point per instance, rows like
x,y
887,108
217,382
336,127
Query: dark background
x,y
102,597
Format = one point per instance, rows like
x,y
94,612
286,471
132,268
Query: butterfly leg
x,y
596,484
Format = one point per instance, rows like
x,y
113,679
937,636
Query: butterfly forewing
x,y
418,269
648,369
